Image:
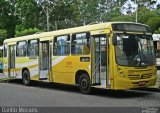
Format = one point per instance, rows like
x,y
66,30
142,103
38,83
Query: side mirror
x,y
114,40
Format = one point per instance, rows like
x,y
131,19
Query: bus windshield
x,y
134,50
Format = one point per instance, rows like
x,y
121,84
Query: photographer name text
x,y
19,109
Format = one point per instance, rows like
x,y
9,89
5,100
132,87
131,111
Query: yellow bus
x,y
1,58
113,55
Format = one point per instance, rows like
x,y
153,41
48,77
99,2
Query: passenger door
x,y
11,61
100,62
44,60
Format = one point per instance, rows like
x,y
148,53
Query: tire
x,y
26,78
84,84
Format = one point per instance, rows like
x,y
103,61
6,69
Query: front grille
x,y
143,76
134,77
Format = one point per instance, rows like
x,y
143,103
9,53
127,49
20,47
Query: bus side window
x,y
33,48
81,43
61,45
21,48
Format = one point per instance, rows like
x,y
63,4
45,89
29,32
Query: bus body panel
x,y
29,63
64,68
111,64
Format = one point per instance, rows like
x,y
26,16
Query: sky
x,y
131,6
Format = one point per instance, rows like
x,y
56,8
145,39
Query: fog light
x,y
122,74
118,69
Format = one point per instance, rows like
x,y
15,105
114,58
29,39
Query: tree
x,y
65,13
28,13
3,35
149,17
8,19
27,32
23,15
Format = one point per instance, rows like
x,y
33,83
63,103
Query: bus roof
x,y
86,28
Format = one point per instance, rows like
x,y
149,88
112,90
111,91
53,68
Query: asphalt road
x,y
57,95
58,98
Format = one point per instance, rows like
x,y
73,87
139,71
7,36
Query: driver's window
x,y
119,47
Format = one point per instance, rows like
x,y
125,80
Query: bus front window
x,y
134,50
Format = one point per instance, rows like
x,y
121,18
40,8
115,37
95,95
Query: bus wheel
x,y
26,78
84,84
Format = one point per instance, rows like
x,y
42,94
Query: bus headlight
x,y
118,69
120,72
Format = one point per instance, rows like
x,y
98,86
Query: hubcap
x,y
25,79
84,84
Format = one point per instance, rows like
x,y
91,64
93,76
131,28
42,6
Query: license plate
x,y
142,83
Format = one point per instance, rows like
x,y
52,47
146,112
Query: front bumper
x,y
121,83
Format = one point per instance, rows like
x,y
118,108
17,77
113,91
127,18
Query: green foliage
x,y
23,16
157,31
3,35
28,12
27,32
8,19
149,17
65,14
125,18
154,23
